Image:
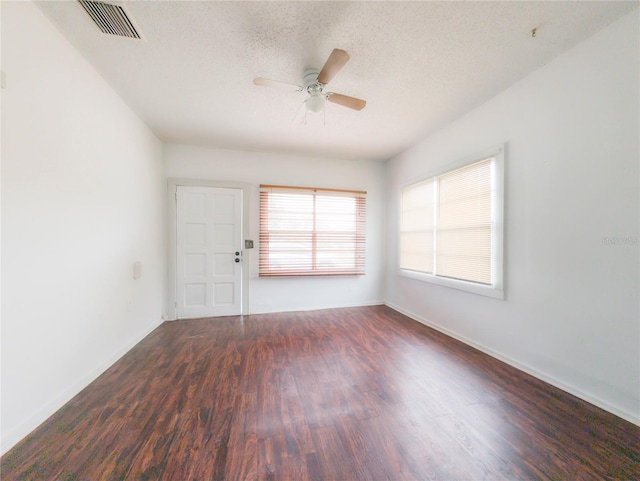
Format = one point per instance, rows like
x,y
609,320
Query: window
x,y
311,232
451,227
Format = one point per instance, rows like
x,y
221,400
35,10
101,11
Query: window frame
x,y
496,288
359,234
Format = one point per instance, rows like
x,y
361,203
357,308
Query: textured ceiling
x,y
419,65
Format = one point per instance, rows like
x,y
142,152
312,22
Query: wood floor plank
x,y
367,466
333,457
361,393
242,461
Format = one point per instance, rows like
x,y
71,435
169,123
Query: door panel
x,y
209,233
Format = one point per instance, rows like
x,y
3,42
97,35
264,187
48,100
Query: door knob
x,y
237,259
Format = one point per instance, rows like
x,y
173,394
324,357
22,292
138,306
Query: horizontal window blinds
x,y
446,224
311,231
463,235
417,227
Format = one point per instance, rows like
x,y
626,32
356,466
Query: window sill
x,y
311,274
480,289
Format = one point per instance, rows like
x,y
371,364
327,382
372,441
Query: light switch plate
x,y
137,270
248,244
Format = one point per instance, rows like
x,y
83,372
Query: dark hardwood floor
x,y
344,394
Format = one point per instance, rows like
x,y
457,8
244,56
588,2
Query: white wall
x,y
273,294
571,312
82,199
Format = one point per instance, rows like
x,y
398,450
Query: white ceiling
x,y
419,65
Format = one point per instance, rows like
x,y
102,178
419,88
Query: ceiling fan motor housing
x,y
311,79
315,102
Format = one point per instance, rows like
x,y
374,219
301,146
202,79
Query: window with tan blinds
x,y
417,227
447,224
311,231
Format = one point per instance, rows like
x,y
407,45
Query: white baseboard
x,y
320,308
596,401
11,438
307,308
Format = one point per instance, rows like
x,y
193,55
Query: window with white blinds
x,y
451,225
311,231
463,229
417,227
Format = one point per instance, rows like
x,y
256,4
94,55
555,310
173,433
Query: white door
x,y
208,257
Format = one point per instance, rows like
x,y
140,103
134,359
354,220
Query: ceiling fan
x,y
315,81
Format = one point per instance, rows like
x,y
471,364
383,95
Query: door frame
x,y
172,240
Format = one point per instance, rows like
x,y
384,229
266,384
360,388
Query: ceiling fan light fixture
x,y
314,82
315,103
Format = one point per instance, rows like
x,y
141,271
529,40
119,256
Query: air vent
x,y
111,19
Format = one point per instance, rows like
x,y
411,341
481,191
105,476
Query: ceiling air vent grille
x,y
111,19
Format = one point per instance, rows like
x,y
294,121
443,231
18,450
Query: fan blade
x,y
332,66
346,101
265,82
